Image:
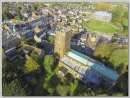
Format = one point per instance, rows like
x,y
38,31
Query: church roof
x,y
97,66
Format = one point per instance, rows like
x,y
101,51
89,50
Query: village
x,y
54,36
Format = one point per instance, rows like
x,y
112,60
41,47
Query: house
x,y
36,22
28,48
83,37
74,27
40,33
48,5
12,56
13,21
6,34
29,33
11,44
25,14
13,12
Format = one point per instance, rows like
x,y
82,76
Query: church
x,y
89,71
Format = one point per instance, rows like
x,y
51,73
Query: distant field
x,y
99,26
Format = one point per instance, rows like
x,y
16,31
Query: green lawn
x,y
99,26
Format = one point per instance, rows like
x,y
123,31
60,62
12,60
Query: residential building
x,y
28,48
40,33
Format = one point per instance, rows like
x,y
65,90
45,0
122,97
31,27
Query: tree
x,y
62,90
104,7
83,14
19,16
51,39
34,7
46,85
119,60
70,20
32,66
23,10
103,51
51,89
114,39
14,88
125,21
48,62
34,55
117,14
5,14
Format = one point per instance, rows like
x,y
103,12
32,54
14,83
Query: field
x,y
99,26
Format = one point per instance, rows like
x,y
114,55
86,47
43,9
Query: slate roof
x,y
12,56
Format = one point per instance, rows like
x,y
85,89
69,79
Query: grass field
x,y
99,26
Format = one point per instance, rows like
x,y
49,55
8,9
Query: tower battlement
x,y
62,30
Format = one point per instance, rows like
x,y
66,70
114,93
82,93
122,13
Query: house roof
x,y
29,34
95,65
10,39
60,24
6,34
74,27
12,56
40,34
30,48
84,36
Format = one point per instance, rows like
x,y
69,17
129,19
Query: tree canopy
x,y
48,62
14,88
115,57
51,39
34,55
6,15
70,20
119,60
62,90
32,66
104,50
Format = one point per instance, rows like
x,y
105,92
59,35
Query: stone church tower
x,y
62,41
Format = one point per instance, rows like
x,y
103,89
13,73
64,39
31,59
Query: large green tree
x,y
23,10
5,14
14,88
32,66
48,62
34,55
51,39
117,14
119,60
62,90
104,50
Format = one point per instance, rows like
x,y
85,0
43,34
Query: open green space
x,y
99,26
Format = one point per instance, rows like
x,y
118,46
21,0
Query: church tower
x,y
62,41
